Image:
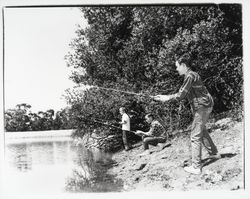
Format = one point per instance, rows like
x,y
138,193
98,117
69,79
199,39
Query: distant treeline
x,y
22,119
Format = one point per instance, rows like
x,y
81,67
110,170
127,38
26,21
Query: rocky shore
x,y
107,143
162,170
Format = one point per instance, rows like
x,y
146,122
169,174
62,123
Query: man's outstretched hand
x,y
163,98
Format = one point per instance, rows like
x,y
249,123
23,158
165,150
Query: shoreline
x,y
162,170
37,136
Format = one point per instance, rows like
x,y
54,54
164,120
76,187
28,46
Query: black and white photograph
x,y
122,98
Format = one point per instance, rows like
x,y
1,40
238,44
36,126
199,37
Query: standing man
x,y
201,104
125,128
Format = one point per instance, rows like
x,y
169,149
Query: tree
x,y
134,49
22,119
17,119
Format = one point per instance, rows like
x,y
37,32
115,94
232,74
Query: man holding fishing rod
x,y
125,128
201,105
154,136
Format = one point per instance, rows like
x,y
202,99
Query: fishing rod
x,y
112,126
169,136
106,124
121,91
155,98
167,97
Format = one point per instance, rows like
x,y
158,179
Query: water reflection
x,y
91,174
23,162
40,152
70,168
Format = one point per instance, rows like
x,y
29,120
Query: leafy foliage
x,y
134,48
22,119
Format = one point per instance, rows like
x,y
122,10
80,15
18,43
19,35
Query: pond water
x,y
57,167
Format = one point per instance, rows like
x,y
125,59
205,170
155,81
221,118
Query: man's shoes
x,y
214,156
193,170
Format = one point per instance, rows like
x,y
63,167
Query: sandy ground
x,y
163,169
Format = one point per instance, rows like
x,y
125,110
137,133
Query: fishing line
x,y
127,92
131,93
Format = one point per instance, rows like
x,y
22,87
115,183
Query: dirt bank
x,y
163,169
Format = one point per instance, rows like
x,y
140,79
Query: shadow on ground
x,y
208,161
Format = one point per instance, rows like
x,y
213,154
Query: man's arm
x,y
138,132
124,120
149,133
163,98
181,94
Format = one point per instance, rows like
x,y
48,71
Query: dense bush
x,y
133,48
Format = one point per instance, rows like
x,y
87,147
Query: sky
x,y
36,41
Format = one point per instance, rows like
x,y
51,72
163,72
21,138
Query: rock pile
x,y
108,143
